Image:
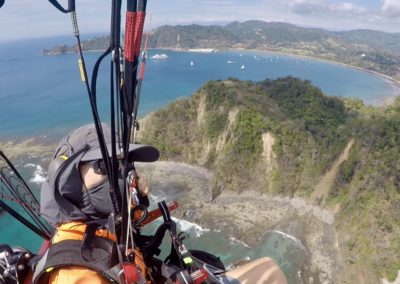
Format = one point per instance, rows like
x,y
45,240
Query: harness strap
x,y
86,246
164,211
178,250
68,253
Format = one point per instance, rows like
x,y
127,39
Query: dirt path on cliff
x,y
322,189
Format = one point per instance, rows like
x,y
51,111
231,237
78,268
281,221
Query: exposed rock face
x,y
251,217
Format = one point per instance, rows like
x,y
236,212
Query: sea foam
x,y
286,236
187,226
29,165
234,241
39,174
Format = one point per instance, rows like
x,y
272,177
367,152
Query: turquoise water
x,y
288,252
13,232
43,96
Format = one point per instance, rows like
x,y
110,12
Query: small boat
x,y
230,62
159,56
242,67
191,63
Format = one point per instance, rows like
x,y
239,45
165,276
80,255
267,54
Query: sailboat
x,y
242,67
191,63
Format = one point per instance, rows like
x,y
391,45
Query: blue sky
x,y
37,18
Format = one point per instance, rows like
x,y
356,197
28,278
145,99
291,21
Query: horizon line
x,y
208,23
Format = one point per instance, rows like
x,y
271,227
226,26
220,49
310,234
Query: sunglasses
x,y
98,166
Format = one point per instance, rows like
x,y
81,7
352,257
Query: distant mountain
x,y
193,36
372,50
374,39
98,43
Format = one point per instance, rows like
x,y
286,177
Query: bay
x,y
43,95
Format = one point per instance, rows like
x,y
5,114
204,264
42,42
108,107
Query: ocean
x,y
42,96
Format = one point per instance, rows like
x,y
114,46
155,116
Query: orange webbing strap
x,y
75,231
156,213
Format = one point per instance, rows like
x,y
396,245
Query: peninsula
x,y
371,50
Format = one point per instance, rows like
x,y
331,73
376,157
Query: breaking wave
x,y
187,226
234,241
39,174
286,236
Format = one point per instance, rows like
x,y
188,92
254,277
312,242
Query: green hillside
x,y
283,136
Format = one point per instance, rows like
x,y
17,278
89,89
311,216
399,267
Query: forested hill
x,y
373,50
259,34
286,137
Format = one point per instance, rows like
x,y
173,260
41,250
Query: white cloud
x,y
29,18
391,8
323,6
348,8
308,6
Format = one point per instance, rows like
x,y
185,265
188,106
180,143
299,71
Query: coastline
x,y
210,50
252,218
67,52
389,79
31,147
381,75
383,101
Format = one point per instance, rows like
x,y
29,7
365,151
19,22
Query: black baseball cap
x,y
86,136
61,194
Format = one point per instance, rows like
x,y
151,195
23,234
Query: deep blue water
x,y
43,95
